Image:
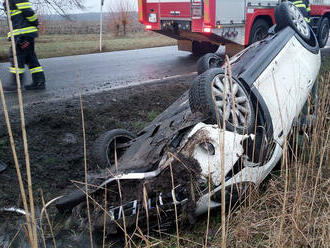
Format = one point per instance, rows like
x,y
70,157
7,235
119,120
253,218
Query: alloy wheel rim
x,y
223,94
299,20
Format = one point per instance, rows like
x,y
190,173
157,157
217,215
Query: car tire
x,y
208,61
197,49
286,14
103,149
323,32
201,100
259,31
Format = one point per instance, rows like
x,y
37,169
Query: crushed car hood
x,y
164,133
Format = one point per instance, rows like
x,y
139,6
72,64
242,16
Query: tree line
x,y
120,17
61,7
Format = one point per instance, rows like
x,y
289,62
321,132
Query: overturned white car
x,y
234,120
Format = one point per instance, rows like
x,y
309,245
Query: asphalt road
x,y
67,76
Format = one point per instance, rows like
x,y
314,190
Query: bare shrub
x,y
121,14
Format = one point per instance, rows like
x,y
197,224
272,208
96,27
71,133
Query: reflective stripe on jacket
x,y
24,20
21,31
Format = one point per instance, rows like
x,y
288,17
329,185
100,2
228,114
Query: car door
x,y
285,84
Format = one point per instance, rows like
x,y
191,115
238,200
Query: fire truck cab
x,y
200,26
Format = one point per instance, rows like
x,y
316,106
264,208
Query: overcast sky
x,y
94,5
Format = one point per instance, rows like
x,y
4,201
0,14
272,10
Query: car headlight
x,y
152,17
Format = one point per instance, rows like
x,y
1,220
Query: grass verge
x,y
48,46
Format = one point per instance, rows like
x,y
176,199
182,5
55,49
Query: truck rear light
x,y
207,30
148,27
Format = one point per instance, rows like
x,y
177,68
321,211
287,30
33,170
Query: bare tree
x,y
121,13
56,6
113,23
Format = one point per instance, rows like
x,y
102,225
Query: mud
x,y
182,174
55,135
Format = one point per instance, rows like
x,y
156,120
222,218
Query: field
x,y
48,46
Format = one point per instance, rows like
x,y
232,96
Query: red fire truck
x,y
202,25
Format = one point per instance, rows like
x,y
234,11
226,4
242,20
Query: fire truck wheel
x,y
323,32
104,147
208,61
259,31
201,48
287,14
196,48
208,94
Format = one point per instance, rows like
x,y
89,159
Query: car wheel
x,y
259,31
208,61
196,48
287,14
105,145
207,96
323,32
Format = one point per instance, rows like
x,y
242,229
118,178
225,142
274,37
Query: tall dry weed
x,y
301,198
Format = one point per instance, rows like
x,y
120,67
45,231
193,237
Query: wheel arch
x,y
327,15
321,42
268,17
261,108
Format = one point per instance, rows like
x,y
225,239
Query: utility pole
x,y
101,24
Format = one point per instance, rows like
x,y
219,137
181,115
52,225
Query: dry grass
x,y
48,46
306,213
291,209
29,207
258,225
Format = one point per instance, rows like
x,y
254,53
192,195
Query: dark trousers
x,y
25,49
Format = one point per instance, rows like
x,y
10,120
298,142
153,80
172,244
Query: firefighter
x,y
304,7
25,30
